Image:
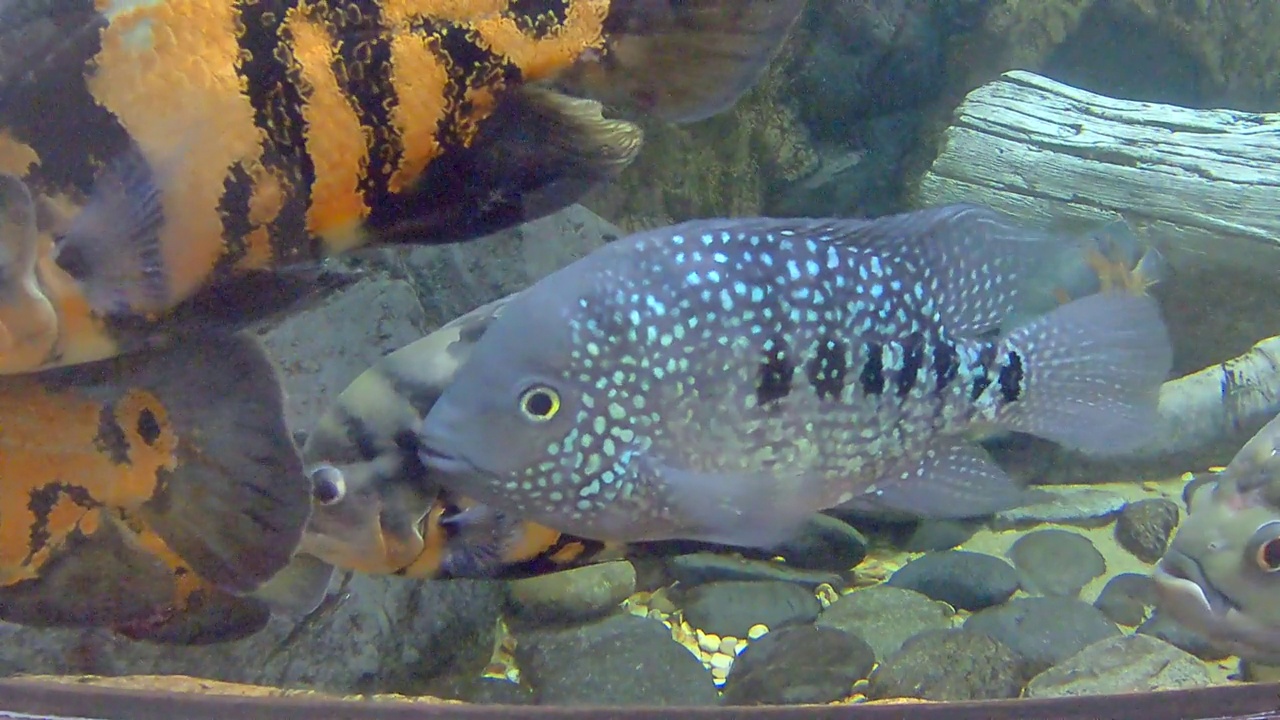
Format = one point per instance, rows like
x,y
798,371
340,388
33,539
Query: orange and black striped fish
x,y
140,496
173,146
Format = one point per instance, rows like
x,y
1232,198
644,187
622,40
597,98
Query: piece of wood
x,y
1201,185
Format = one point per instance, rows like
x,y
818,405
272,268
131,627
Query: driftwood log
x,y
1202,186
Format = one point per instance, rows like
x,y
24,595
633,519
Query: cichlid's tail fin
x,y
1091,372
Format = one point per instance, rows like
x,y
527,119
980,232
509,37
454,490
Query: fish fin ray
x,y
112,245
683,61
236,504
753,511
1093,372
953,480
298,589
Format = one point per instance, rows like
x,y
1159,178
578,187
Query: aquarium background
x,y
845,122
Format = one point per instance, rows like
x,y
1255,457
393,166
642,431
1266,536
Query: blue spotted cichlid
x,y
184,152
721,380
1220,576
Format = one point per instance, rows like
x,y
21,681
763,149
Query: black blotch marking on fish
x,y
110,438
49,52
776,372
148,427
41,501
1010,378
872,376
471,332
273,89
422,397
827,370
946,363
233,208
363,67
358,434
912,361
538,18
982,373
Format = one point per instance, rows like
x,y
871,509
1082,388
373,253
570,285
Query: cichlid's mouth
x,y
1182,586
441,461
1186,594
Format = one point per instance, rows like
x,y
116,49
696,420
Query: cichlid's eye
x,y
1264,547
540,403
327,485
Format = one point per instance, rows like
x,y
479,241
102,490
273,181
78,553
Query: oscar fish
x,y
179,145
723,379
44,321
162,503
1220,575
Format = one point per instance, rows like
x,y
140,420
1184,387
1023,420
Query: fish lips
x,y
441,461
1186,594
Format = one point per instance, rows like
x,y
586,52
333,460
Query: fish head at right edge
x,y
1220,575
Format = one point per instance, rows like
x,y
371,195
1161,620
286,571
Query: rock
x,y
575,595
622,660
1056,562
705,567
1127,598
1166,628
453,279
1124,664
1044,631
930,535
965,580
886,617
949,666
824,543
385,641
731,608
1067,505
1145,526
800,664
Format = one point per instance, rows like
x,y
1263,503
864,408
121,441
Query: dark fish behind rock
x,y
142,496
181,144
721,380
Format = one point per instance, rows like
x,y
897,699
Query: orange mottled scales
x,y
233,141
139,496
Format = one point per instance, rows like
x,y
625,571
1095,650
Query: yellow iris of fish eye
x,y
540,403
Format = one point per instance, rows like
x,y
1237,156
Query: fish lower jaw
x,y
444,463
1213,615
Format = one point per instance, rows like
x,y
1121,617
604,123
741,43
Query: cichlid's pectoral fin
x,y
683,61
538,152
951,480
297,590
755,511
112,245
235,500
